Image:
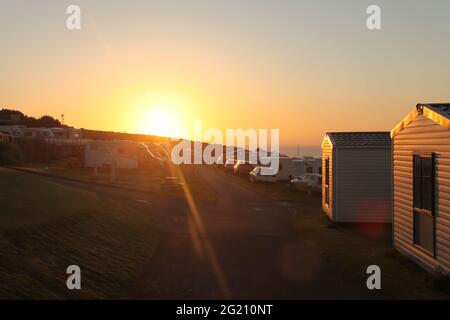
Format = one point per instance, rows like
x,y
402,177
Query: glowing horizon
x,y
154,68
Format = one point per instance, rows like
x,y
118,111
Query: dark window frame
x,y
423,198
327,181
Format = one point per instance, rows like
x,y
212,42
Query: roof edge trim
x,y
419,110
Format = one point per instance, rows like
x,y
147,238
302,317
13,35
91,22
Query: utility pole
x,y
62,119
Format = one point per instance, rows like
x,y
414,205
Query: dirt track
x,y
240,246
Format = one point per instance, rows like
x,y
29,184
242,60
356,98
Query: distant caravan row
x,y
303,174
288,169
400,177
19,131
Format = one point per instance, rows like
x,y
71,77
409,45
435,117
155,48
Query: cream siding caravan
x,y
306,165
285,167
123,154
421,186
356,176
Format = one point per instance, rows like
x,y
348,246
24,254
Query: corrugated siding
x,y
363,185
327,151
422,135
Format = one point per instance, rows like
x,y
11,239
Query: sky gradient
x,y
305,67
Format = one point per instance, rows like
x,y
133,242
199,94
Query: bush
x,y
10,154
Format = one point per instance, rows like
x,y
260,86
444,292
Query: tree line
x,y
16,117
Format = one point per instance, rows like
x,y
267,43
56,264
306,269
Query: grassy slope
x,y
46,226
154,180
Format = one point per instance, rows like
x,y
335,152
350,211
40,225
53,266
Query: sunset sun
x,y
162,114
161,121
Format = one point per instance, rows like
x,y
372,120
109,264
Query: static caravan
x,y
356,177
67,133
313,165
14,130
285,167
124,154
22,131
37,132
5,138
306,165
421,186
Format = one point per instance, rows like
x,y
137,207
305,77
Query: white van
x,y
285,167
306,165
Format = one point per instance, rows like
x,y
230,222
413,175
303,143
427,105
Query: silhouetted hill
x,y
15,117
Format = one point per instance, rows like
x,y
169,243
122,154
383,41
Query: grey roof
x,y
441,108
360,139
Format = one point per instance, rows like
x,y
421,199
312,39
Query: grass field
x,y
158,180
46,226
356,246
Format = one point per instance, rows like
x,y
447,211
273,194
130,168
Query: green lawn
x,y
46,226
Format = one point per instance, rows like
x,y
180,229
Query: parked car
x,y
229,165
243,168
309,182
256,176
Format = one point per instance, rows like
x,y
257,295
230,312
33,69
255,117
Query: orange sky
x,y
303,67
